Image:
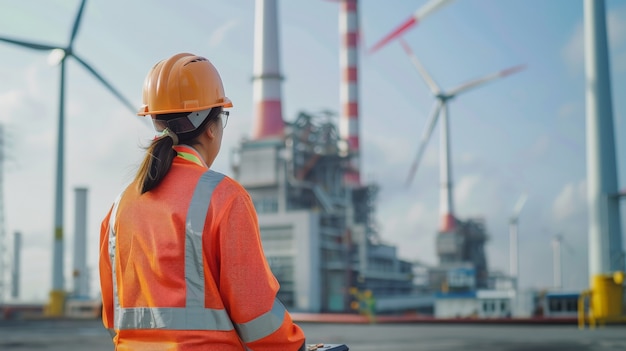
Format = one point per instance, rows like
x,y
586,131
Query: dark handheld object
x,y
327,347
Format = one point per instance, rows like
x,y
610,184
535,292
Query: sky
x,y
524,134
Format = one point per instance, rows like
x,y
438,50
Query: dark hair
x,y
159,154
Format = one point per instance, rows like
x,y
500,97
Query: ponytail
x,y
156,164
160,154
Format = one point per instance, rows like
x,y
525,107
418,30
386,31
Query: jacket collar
x,y
188,153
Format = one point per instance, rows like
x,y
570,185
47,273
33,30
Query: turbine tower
x,y
3,251
605,239
606,255
557,262
57,295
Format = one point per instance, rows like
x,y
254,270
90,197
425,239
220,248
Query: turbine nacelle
x,y
56,56
444,97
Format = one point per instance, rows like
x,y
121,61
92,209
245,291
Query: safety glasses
x,y
224,117
187,123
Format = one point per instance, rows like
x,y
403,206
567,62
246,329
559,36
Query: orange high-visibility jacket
x,y
182,267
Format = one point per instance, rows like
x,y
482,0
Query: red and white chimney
x,y
349,90
268,116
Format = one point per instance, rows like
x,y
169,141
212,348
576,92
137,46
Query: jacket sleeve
x,y
247,285
106,275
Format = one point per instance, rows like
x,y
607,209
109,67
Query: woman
x,y
181,262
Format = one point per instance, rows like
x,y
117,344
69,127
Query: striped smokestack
x,y
349,93
268,117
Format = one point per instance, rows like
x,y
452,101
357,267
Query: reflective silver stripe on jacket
x,y
194,316
116,302
263,325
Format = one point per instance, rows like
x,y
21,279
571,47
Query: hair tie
x,y
168,133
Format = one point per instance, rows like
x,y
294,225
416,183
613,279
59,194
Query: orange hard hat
x,y
182,83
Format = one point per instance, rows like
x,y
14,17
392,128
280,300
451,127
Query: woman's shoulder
x,y
228,184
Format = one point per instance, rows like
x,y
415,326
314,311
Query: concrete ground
x,y
74,335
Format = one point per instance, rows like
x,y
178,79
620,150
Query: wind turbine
x,y
561,250
441,108
513,237
60,55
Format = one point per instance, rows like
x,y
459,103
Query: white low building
x,y
475,304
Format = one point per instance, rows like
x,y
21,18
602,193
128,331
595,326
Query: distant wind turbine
x,y
448,221
556,261
560,247
513,237
59,55
417,17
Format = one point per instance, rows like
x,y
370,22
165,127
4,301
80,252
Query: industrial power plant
x,y
318,215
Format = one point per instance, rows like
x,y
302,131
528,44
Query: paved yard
x,y
74,335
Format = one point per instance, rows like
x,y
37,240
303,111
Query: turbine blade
x,y
117,94
79,15
480,81
519,205
406,25
29,45
424,141
434,88
417,17
429,8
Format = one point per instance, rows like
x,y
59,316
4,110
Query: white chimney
x,y
80,274
15,267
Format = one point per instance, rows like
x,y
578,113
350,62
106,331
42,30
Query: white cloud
x,y
570,203
219,34
9,103
466,186
412,226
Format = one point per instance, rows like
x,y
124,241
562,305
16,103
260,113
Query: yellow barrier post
x,y
586,294
607,298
